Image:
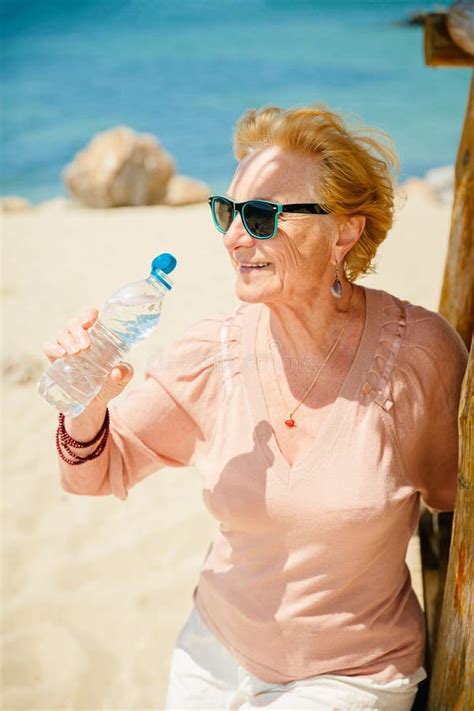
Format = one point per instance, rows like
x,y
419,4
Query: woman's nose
x,y
237,235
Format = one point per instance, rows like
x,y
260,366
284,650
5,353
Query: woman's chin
x,y
251,293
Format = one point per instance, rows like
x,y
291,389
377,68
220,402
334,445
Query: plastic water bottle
x,y
127,317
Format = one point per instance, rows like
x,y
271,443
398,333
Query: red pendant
x,y
290,422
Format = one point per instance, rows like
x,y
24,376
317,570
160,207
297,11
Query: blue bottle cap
x,y
163,264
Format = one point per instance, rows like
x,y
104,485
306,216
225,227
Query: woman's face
x,y
299,255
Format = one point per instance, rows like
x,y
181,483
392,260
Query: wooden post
x,y
452,678
448,583
457,293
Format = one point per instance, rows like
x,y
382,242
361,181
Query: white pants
x,y
204,675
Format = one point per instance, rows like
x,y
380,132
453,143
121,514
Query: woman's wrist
x,y
87,425
68,447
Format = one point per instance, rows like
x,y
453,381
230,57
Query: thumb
x,y
121,374
118,379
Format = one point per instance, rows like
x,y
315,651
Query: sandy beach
x,y
95,590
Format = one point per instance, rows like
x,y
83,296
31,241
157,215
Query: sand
x,y
95,590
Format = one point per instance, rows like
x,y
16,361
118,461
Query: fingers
x,y
53,351
78,333
67,341
116,382
74,338
89,317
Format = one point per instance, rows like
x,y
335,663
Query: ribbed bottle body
x,y
70,383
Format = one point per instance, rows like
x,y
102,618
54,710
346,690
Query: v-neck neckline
x,y
330,428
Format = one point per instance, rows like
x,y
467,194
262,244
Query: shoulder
x,y
432,343
201,347
432,334
210,329
192,371
208,334
432,357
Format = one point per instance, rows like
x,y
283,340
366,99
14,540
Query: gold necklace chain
x,y
290,422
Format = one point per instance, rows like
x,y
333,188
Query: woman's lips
x,y
261,266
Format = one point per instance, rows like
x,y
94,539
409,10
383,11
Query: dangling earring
x,y
336,288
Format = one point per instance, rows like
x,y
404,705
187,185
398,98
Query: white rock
x,y
182,190
120,168
14,203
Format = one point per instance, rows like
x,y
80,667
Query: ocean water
x,y
185,70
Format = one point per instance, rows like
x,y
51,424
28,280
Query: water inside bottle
x,y
72,382
132,320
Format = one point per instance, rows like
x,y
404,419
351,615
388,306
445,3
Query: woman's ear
x,y
355,225
350,229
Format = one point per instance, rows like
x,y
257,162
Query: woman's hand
x,y
75,339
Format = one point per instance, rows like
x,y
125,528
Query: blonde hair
x,y
357,171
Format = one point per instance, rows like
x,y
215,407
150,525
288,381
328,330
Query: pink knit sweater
x,y
306,573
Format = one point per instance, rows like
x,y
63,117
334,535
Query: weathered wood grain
x,y
457,293
452,679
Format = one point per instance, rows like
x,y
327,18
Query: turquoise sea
x,y
185,70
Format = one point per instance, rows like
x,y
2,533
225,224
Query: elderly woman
x,y
318,413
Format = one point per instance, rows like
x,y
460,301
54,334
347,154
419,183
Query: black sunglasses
x,y
259,217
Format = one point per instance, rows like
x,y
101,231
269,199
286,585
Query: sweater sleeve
x,y
426,386
163,422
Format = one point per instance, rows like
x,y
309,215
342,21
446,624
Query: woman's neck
x,y
305,330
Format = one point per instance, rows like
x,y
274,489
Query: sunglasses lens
x,y
260,219
223,213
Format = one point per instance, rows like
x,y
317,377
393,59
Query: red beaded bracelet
x,y
65,439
